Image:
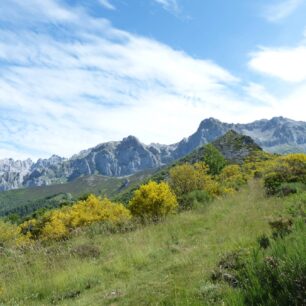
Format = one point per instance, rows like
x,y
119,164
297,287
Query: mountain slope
x,y
27,200
169,263
119,158
233,146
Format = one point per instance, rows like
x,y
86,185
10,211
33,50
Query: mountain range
x,y
122,158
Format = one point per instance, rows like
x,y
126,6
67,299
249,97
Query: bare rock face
x,y
12,173
120,158
46,172
116,159
278,135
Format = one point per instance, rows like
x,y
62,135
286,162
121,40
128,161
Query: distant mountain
x,y
117,158
278,135
13,173
120,158
233,146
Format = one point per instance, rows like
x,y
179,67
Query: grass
x,y
275,276
161,264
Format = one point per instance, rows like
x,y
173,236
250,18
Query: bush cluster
x,y
287,171
58,223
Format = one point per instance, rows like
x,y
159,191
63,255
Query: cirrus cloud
x,y
281,10
69,81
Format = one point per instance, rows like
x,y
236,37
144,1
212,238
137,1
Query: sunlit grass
x,y
160,264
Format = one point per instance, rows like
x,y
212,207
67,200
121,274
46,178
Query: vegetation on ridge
x,y
206,234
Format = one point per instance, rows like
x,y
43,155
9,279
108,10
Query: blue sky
x,y
75,73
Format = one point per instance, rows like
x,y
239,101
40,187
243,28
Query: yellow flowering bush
x,y
58,223
187,178
286,170
11,236
8,233
258,163
232,178
153,201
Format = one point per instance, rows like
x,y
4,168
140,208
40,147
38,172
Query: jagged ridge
x,y
129,156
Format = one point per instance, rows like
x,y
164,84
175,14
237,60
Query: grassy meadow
x,y
168,263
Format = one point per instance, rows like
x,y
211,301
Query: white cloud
x,y
35,10
169,5
288,64
107,4
80,81
285,66
96,83
281,10
259,93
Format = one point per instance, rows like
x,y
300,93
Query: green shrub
x,y
275,276
272,182
186,178
296,205
263,241
194,199
280,227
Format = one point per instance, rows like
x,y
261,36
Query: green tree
x,y
214,159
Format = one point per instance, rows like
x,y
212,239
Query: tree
x,y
153,201
214,159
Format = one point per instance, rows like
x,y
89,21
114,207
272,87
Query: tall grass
x,y
276,276
160,264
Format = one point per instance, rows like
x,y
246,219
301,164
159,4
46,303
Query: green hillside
x,y
169,263
25,201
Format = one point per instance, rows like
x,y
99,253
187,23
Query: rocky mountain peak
x,y
119,158
131,141
209,123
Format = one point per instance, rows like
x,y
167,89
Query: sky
x,y
76,73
